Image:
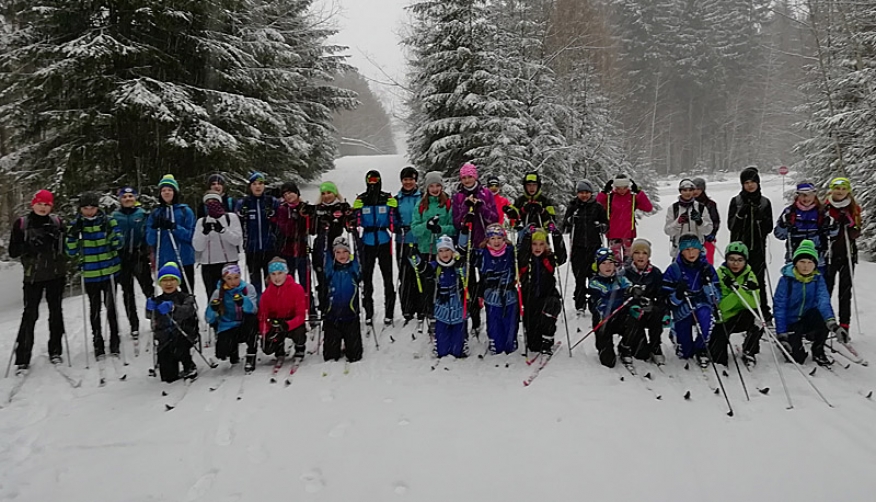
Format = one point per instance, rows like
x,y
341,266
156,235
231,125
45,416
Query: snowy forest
x,y
100,94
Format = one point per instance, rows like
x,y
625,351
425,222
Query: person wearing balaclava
x,y
376,212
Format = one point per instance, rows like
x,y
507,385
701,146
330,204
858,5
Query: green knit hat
x,y
328,186
168,181
806,249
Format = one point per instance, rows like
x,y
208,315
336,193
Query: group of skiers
x,y
455,254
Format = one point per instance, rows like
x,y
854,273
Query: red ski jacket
x,y
286,302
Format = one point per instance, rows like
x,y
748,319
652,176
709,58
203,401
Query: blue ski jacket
x,y
230,315
701,279
797,295
343,283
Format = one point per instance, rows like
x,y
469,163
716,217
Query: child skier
x,y
805,219
216,183
330,217
608,292
621,198
734,316
293,236
232,314
691,282
647,310
408,199
802,307
686,216
170,229
750,221
217,241
282,311
586,222
495,187
448,270
175,325
255,212
341,324
495,261
431,220
94,238
38,239
842,254
712,207
473,210
134,255
533,207
542,302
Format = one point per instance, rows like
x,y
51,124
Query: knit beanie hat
x,y
445,242
256,176
409,172
215,178
289,186
212,196
641,245
584,186
805,187
468,169
169,271
89,199
328,186
603,254
168,181
699,183
688,241
43,197
493,181
341,243
750,173
278,265
622,180
539,235
433,177
127,191
807,250
686,183
737,248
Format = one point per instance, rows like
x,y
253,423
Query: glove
x,y
683,219
634,187
415,261
609,185
681,288
75,227
37,240
511,212
473,202
279,326
667,320
468,219
636,312
783,337
464,229
151,304
165,308
217,227
751,285
710,238
167,224
601,227
533,208
729,282
842,334
307,210
238,299
696,217
433,226
551,227
637,291
216,305
270,212
208,227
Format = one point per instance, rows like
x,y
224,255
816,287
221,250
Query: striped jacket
x,y
96,242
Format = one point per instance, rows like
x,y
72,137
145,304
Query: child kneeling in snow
x,y
542,303
802,309
232,313
449,294
342,314
175,324
739,296
608,291
692,285
282,311
496,261
648,308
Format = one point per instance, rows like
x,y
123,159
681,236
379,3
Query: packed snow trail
x,y
393,430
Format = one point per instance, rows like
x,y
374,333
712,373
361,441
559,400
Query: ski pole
x,y
569,265
852,280
720,316
211,364
701,335
602,322
84,294
562,296
14,348
112,304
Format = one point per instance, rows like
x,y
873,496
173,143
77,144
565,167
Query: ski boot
x,y
21,370
749,359
387,322
581,312
702,360
476,332
408,319
56,359
369,327
190,373
249,366
420,323
298,356
657,356
822,360
627,361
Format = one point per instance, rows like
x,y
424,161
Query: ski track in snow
x,y
393,429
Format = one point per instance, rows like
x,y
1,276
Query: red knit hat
x,y
44,197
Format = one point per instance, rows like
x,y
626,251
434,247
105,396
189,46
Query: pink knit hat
x,y
468,169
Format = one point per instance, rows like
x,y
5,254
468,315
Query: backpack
x,y
676,205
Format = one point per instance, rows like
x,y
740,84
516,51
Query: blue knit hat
x,y
169,270
688,241
168,181
128,190
806,187
256,176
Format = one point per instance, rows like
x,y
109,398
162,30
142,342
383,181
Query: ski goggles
x,y
604,254
372,180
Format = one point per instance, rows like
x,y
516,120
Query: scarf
x,y
803,207
841,204
215,209
497,252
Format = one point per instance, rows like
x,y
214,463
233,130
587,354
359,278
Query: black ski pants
x,y
227,341
582,268
337,332
257,267
408,291
211,275
742,322
98,292
605,340
839,265
33,294
635,342
274,342
540,321
170,355
812,327
757,261
474,293
137,268
381,255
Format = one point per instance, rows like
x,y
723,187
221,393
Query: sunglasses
x,y
735,259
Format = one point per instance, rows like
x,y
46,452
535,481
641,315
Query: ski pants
x,y
97,292
211,275
337,332
257,266
582,268
227,341
474,293
635,343
382,256
757,262
742,322
135,268
621,249
605,340
450,339
812,327
840,265
502,328
408,291
274,342
710,252
688,345
540,322
300,266
33,294
170,355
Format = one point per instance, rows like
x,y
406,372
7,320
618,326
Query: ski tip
x,y
725,374
288,382
164,393
686,366
525,383
648,375
239,398
764,391
123,377
687,395
273,380
865,363
812,373
717,391
730,413
622,378
659,397
168,407
579,330
869,395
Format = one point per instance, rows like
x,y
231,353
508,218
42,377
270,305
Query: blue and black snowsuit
x,y
542,303
449,312
175,334
259,235
608,294
341,322
135,259
796,225
500,297
232,313
406,246
376,213
700,284
802,309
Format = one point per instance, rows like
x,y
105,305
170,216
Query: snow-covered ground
x,y
392,429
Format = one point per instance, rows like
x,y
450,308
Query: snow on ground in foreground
x,y
392,429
